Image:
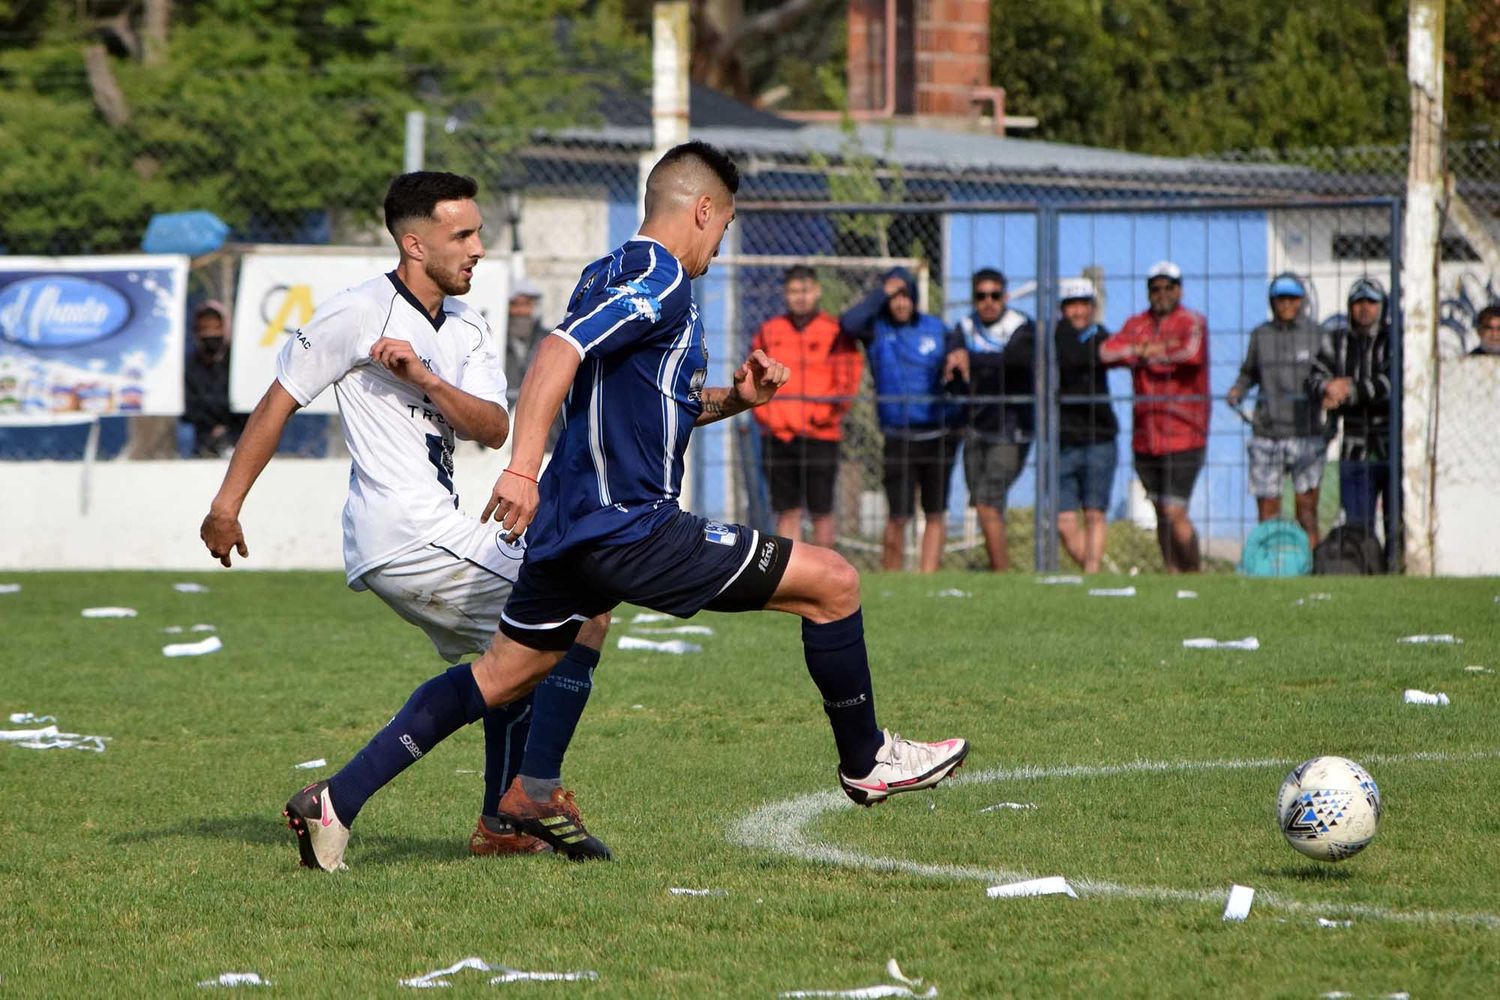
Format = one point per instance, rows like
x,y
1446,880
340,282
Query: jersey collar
x,y
406,293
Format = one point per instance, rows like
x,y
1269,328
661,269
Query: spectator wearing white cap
x,y
1166,349
1086,427
1289,428
523,330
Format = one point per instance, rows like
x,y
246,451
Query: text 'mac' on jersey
x,y
617,469
401,492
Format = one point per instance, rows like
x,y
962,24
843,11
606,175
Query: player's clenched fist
x,y
400,359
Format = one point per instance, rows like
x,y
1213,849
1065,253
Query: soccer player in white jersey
x,y
605,524
412,369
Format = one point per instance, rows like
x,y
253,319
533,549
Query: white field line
x,y
779,827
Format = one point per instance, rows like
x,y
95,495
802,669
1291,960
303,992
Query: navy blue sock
x,y
560,700
505,732
835,654
436,710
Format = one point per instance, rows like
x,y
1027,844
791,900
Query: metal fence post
x,y
1045,433
1394,548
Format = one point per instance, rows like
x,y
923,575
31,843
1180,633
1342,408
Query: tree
x,y
272,114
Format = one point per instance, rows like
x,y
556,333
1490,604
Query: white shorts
x,y
1272,458
453,590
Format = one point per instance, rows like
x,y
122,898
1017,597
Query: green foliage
x,y
267,112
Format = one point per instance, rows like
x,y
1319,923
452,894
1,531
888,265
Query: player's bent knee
x,y
836,590
592,632
508,670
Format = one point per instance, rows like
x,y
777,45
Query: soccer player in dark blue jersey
x,y
628,366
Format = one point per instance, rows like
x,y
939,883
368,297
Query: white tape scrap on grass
x,y
679,891
648,617
1112,592
1052,885
1066,580
202,648
674,646
1325,922
30,719
677,630
1412,696
1247,643
780,827
1341,995
311,765
10,588
109,612
998,806
1475,668
49,738
439,977
190,588
953,592
903,987
1443,639
1237,907
235,979
1187,595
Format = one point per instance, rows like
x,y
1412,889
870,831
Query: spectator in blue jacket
x,y
905,349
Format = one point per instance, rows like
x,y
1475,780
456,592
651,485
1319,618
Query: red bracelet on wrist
x,y
523,475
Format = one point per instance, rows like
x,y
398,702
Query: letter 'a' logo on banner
x,y
292,313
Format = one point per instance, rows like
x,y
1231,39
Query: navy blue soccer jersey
x,y
617,469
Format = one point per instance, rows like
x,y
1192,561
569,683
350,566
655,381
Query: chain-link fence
x,y
854,202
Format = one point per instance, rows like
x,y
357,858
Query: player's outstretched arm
x,y
513,501
755,382
221,528
472,418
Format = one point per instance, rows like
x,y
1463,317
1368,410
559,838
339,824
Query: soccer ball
x,y
1328,808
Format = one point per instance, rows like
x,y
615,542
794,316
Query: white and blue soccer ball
x,y
1329,808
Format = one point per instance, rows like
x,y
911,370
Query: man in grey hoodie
x,y
1288,430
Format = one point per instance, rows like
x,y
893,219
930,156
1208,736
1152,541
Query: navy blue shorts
x,y
688,564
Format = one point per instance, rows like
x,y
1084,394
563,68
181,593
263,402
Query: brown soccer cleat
x,y
556,821
503,839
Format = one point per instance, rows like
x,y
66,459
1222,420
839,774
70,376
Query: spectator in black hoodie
x,y
1087,427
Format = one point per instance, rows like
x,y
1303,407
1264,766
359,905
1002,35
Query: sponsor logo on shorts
x,y
720,534
416,751
766,552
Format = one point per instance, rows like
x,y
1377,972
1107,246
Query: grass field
x,y
163,861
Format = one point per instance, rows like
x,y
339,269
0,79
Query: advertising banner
x,y
100,335
278,292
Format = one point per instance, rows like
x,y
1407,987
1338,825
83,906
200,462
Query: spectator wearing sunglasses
x,y
991,351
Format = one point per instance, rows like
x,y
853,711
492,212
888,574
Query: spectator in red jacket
x,y
801,428
1166,349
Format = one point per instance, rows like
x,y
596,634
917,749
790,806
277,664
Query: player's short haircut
x,y
1486,314
416,196
692,169
987,274
799,272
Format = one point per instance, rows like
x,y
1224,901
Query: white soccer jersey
x,y
401,493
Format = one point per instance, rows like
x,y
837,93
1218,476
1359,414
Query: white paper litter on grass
x,y
1187,595
190,588
236,979
1052,885
18,735
109,612
1325,922
10,588
998,806
903,987
311,765
953,592
647,617
49,738
1413,696
200,627
674,646
439,977
174,630
1473,668
679,891
1238,905
1249,642
1111,591
30,719
1068,580
210,645
1443,639
678,630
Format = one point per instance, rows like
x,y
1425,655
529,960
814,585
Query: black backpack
x,y
1349,550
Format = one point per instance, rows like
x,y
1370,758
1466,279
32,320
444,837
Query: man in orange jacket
x,y
802,426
